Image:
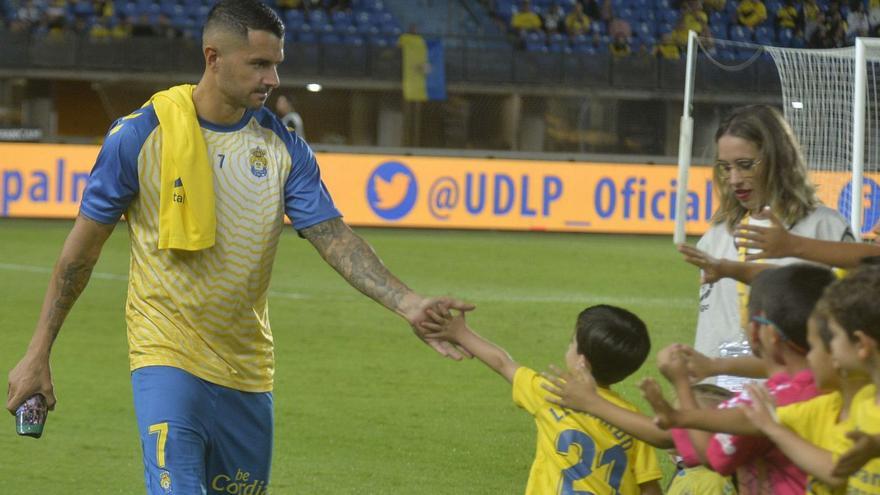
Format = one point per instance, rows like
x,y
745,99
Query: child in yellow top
x,y
576,452
810,432
855,345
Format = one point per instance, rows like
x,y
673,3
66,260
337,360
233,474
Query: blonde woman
x,y
758,163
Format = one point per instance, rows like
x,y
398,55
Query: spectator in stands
x,y
29,14
339,5
787,16
553,18
810,16
693,15
590,8
122,29
667,48
751,13
525,18
143,28
101,31
289,116
680,33
165,29
104,8
874,17
857,20
837,28
619,47
285,5
619,27
577,22
714,5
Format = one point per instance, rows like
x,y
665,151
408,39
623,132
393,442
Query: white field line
x,y
476,296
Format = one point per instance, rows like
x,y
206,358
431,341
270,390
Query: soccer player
x,y
205,175
576,452
758,164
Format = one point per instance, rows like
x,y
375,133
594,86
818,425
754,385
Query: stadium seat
x,y
764,35
670,17
306,37
353,40
785,37
740,33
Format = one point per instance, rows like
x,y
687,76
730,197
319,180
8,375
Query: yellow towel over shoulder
x,y
186,197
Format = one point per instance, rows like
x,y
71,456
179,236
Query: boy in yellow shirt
x,y
576,452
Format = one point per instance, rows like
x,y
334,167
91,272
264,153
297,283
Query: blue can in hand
x,y
30,417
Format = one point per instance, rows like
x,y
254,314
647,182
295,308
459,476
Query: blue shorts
x,y
201,438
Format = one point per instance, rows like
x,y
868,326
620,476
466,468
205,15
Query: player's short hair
x,y
240,16
614,341
853,301
787,296
782,171
709,395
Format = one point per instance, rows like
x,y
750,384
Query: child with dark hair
x,y
855,345
780,303
810,432
576,452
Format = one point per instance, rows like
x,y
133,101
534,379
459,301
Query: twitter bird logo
x,y
392,190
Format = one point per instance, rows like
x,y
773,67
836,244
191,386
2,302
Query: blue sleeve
x,y
306,200
113,182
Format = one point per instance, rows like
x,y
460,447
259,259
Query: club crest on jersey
x,y
259,162
165,481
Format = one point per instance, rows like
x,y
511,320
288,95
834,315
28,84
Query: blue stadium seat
x,y
331,38
586,49
368,29
740,33
342,18
380,41
362,18
353,40
647,15
643,29
764,35
536,47
785,37
670,16
798,42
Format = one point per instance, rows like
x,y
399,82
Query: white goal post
x,y
831,100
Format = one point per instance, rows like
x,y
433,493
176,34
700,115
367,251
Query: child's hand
x,y
572,389
865,447
672,364
699,366
762,411
445,325
710,267
664,413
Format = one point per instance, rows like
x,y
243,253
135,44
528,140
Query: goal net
x,y
831,100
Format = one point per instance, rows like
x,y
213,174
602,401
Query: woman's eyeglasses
x,y
744,166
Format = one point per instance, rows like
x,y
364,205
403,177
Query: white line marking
x,y
477,296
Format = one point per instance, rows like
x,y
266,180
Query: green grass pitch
x,y
361,405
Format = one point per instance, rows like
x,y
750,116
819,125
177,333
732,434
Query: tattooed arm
x,y
71,274
358,264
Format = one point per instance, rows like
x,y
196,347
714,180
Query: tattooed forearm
x,y
356,261
71,281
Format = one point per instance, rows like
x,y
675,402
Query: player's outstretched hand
x,y
865,447
574,389
710,267
30,376
441,307
774,241
761,412
664,413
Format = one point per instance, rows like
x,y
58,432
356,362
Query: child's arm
x,y
577,390
714,269
777,242
701,366
865,447
811,458
453,328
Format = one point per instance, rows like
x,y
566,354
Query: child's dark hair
x,y
853,301
614,341
820,318
787,296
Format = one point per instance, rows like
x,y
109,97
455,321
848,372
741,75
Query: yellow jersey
x,y
207,311
865,415
816,421
577,452
699,480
